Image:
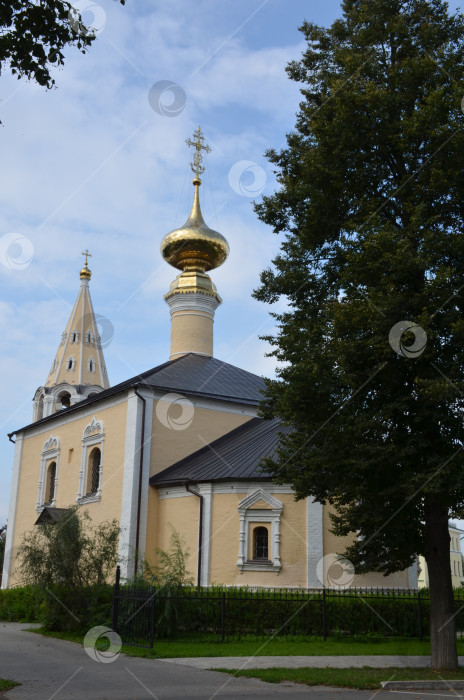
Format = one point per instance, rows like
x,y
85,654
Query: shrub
x,y
71,561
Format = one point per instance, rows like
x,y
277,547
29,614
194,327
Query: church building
x,y
178,445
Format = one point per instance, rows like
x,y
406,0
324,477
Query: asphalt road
x,y
51,669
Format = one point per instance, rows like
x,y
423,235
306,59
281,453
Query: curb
x,y
423,685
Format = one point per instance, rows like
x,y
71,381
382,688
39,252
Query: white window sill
x,y
93,498
259,566
40,508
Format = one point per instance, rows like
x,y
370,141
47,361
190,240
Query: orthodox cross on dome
x,y
86,254
198,144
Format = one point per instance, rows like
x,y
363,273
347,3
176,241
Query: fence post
x,y
324,626
223,616
114,623
419,614
152,616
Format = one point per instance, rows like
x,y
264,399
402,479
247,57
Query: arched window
x,y
74,337
261,543
93,471
65,399
91,365
89,337
50,485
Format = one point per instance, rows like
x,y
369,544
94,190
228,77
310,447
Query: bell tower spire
x,y
78,369
195,249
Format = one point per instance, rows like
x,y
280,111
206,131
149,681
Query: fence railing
x,y
142,614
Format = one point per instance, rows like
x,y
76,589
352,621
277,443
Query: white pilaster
x,y
145,471
9,554
49,405
241,548
129,502
205,490
314,540
412,574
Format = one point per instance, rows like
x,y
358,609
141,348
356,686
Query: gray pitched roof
x,y
51,515
233,456
190,374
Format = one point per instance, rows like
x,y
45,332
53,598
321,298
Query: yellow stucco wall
x,y
170,445
191,332
183,514
70,435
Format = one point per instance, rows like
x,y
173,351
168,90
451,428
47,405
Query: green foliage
x,y
71,561
33,34
371,203
242,613
23,604
370,200
169,567
362,678
76,610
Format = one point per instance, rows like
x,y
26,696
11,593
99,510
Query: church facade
x,y
179,445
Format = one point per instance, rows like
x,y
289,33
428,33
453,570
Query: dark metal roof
x,y
190,374
233,456
51,515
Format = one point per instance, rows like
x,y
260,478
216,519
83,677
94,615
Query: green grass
x,y
361,678
275,647
7,685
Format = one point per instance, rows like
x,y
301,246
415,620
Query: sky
x,y
100,163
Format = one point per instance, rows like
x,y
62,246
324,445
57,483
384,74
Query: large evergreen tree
x,y
371,205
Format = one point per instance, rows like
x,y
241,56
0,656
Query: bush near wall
x,y
238,613
22,604
72,610
57,607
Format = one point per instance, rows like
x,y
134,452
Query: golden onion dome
x,y
195,246
85,273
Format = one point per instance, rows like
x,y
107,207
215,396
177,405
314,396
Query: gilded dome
x,y
194,245
85,273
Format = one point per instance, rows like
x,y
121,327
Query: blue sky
x,y
95,164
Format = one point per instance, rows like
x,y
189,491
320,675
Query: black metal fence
x,y
142,614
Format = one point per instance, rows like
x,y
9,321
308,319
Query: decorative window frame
x,y
50,452
74,337
91,365
94,436
268,516
89,338
73,360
